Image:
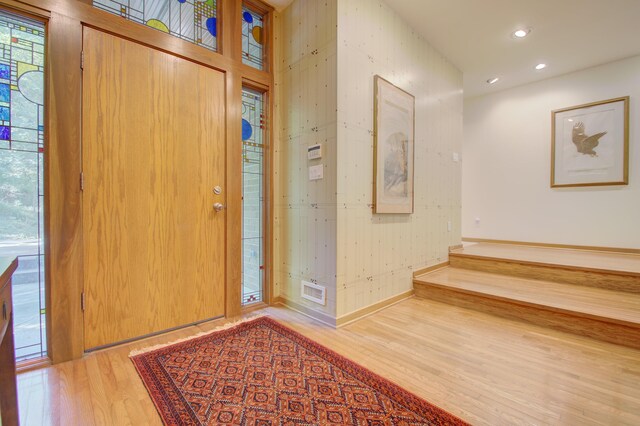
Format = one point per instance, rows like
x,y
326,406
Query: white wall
x,y
506,165
378,252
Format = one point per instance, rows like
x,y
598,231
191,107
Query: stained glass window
x,y
191,20
252,38
22,58
253,124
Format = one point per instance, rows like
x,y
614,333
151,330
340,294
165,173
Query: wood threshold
x,y
154,334
253,307
32,364
166,335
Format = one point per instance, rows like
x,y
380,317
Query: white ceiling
x,y
280,4
567,35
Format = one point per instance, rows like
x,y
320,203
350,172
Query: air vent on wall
x,y
314,292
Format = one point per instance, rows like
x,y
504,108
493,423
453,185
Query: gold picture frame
x,y
590,144
393,147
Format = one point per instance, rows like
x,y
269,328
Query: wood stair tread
x,y
613,262
595,303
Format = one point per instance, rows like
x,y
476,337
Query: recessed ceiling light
x,y
521,33
541,66
493,80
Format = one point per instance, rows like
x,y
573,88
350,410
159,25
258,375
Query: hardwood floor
x,y
485,369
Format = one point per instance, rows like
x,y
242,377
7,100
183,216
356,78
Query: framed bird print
x,y
393,144
590,144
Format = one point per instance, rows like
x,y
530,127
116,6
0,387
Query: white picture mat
x,y
394,149
573,167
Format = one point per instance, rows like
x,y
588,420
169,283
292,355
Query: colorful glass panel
x,y
253,124
22,47
192,20
252,38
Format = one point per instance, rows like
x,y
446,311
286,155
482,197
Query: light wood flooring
x,y
485,369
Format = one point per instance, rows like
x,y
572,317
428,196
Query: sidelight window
x,y
253,146
22,151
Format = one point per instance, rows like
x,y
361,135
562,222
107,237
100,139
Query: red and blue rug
x,y
260,372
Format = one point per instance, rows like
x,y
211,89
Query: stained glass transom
x,y
252,38
191,20
253,124
22,62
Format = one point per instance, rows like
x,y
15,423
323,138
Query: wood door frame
x,y
63,160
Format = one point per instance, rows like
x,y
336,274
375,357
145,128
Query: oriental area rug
x,y
259,372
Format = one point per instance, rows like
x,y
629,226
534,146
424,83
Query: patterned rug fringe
x,y
203,333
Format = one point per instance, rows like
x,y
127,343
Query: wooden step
x,y
607,270
594,312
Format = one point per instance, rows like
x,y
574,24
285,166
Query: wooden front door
x,y
152,153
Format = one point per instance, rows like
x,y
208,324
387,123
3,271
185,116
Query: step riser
x,y
29,278
601,330
28,262
627,283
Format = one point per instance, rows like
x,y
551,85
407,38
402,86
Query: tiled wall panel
x,y
377,253
305,211
329,52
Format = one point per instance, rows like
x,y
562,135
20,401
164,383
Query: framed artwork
x,y
393,145
590,144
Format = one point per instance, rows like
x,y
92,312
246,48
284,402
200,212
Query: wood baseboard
x,y
373,308
430,268
550,245
456,247
254,307
306,311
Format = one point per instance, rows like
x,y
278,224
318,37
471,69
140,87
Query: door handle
x,y
218,207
